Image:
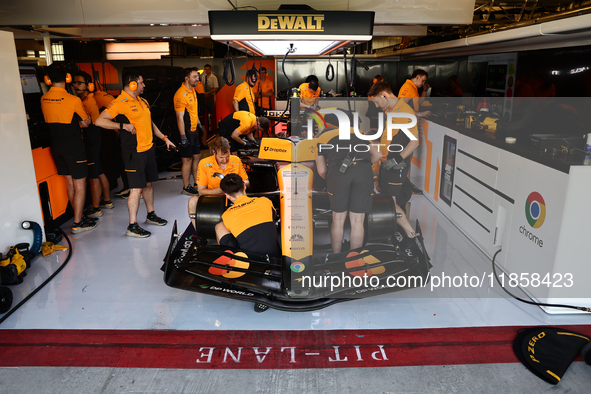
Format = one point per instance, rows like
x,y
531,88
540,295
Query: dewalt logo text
x,y
303,22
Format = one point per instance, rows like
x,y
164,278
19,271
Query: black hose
x,y
579,308
10,312
329,71
353,69
229,68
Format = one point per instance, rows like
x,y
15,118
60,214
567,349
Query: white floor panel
x,y
114,282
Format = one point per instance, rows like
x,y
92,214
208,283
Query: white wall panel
x,y
19,198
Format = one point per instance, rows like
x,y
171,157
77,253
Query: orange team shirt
x,y
409,89
62,111
208,167
103,99
306,92
91,107
248,212
267,87
401,106
247,121
245,96
185,100
199,89
138,114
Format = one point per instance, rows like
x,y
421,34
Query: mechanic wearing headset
x,y
99,184
249,224
240,123
244,95
213,169
393,180
64,114
185,106
310,91
130,114
349,182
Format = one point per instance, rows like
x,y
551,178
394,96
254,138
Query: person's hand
x,y
184,141
169,144
426,87
425,113
129,127
394,163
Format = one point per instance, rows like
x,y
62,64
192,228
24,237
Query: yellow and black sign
x,y
295,22
232,25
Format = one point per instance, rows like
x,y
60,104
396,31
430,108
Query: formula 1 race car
x,y
307,276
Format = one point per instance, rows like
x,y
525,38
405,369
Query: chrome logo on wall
x,y
535,210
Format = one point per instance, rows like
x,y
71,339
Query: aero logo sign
x,y
535,210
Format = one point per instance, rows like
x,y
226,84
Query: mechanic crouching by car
x,y
213,169
249,224
242,123
346,166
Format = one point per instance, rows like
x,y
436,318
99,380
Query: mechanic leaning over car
x,y
213,169
242,123
346,166
393,180
249,224
130,114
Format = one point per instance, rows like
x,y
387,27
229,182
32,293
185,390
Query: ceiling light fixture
x,y
269,33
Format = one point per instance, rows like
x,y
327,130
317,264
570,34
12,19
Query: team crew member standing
x,y
213,169
136,129
410,91
63,112
244,94
185,105
211,86
264,90
249,224
240,123
349,188
99,184
393,172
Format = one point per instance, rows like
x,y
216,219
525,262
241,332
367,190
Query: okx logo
x,y
535,210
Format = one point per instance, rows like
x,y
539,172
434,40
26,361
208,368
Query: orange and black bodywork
x,y
293,282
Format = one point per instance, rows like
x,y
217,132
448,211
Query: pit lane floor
x,y
114,283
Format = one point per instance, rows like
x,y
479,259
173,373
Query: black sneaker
x,y
190,191
154,219
124,194
84,225
134,230
106,204
92,212
89,219
416,190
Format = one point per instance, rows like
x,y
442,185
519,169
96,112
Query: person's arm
x,y
321,166
269,93
375,153
236,137
203,190
106,121
409,149
180,121
164,138
235,105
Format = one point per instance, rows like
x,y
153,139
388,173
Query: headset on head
x,y
133,86
48,81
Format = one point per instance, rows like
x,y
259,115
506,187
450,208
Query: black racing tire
x,y
5,299
586,353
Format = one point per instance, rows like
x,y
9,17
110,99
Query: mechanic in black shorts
x,y
346,166
134,122
393,180
64,114
249,224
